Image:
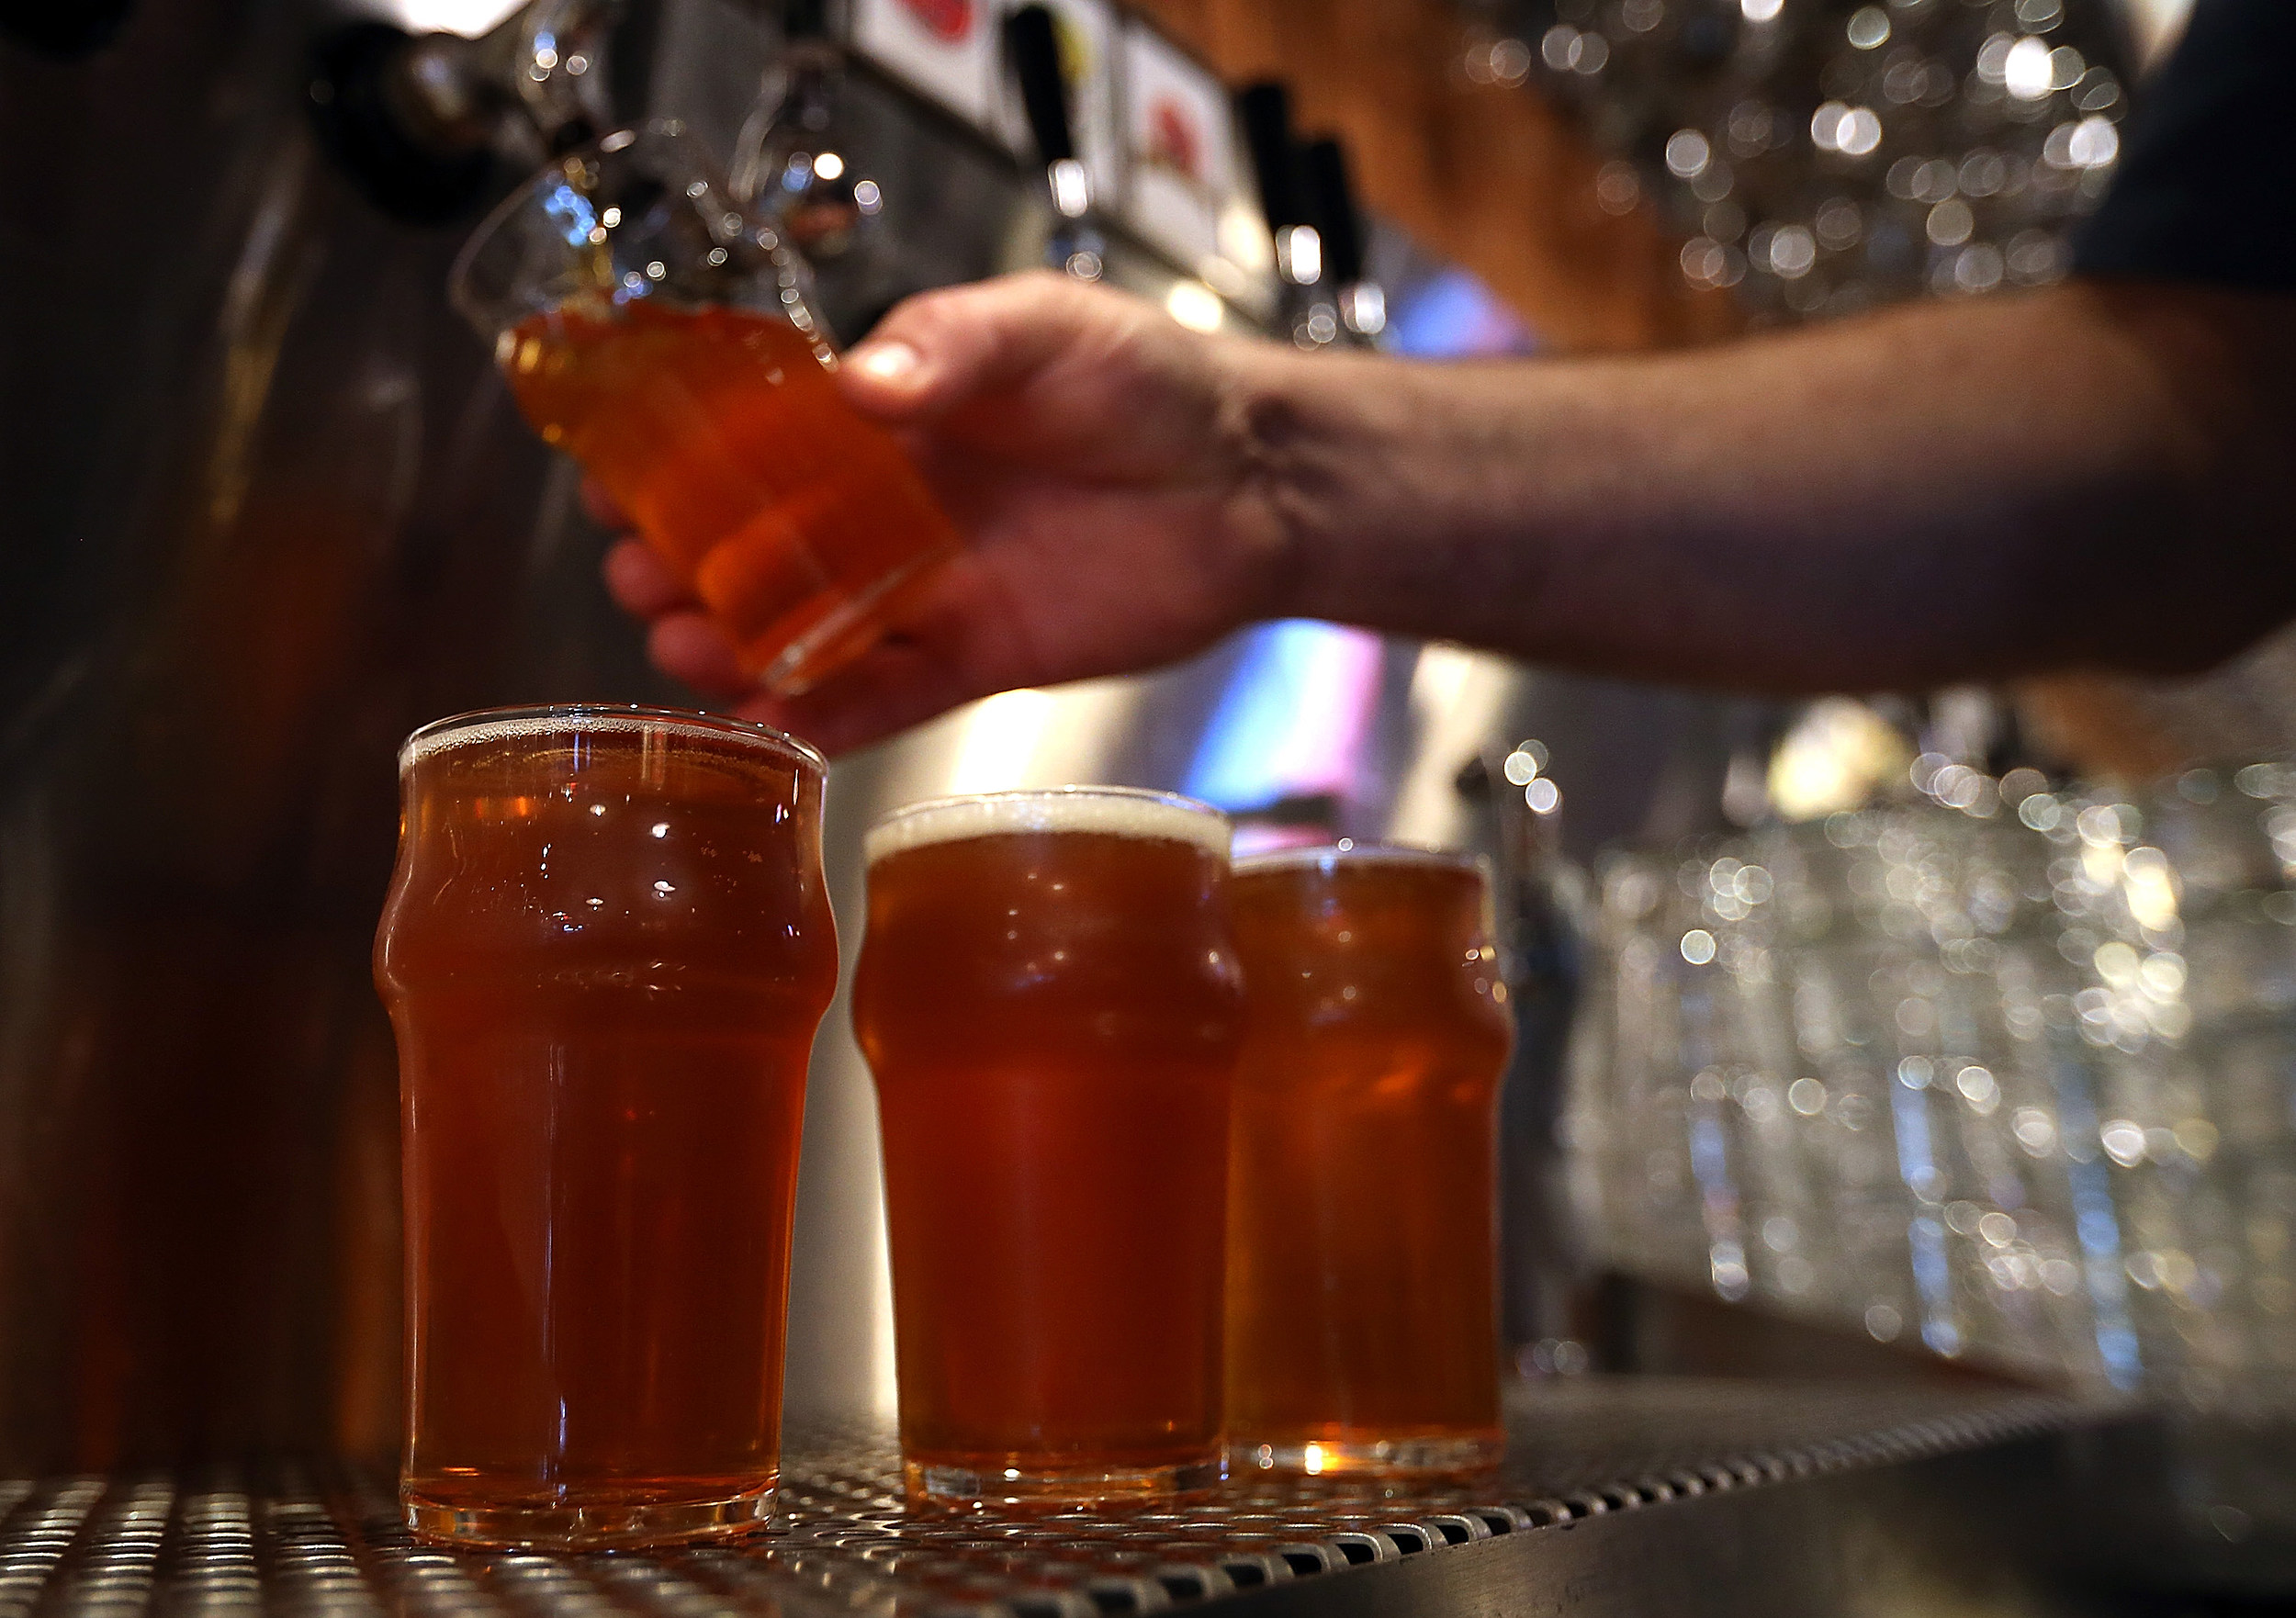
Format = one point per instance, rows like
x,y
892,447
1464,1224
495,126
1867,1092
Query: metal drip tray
x,y
1672,1464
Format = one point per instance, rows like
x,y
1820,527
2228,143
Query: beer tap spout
x,y
428,125
555,63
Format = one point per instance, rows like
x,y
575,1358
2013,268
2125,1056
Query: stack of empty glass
x,y
2007,1072
2178,906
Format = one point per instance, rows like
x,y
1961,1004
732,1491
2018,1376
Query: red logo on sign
x,y
948,20
1174,140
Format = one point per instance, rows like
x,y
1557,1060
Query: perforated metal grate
x,y
288,1543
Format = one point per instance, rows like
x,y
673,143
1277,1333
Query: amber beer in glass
x,y
663,338
1363,1329
605,952
1049,1002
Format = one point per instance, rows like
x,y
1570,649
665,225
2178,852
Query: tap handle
x,y
65,31
1034,41
412,164
805,19
1266,111
1330,200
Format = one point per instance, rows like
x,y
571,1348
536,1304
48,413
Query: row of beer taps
x,y
430,126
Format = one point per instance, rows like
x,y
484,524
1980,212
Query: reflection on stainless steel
x,y
278,512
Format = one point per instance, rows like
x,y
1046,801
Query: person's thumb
x,y
939,349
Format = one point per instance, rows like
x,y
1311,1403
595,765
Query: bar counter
x,y
1622,1495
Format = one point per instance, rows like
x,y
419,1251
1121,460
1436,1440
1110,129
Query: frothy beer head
x,y
472,730
1122,811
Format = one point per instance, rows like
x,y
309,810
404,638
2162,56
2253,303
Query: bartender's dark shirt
x,y
2207,184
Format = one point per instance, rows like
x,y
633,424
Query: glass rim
x,y
1329,857
875,839
546,718
523,194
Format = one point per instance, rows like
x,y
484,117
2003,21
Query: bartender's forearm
x,y
2086,477
2092,475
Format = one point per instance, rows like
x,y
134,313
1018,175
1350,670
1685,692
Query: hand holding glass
x,y
664,338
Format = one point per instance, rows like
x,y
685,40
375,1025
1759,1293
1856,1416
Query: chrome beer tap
x,y
1360,302
1308,307
800,160
1076,244
422,122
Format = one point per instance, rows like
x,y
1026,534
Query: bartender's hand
x,y
2095,476
1096,456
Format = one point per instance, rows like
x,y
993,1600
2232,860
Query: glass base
x,y
1390,1457
596,1520
966,1482
846,631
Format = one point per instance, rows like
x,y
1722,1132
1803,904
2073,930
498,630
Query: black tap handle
x,y
1034,41
805,19
1266,111
66,28
1331,201
361,126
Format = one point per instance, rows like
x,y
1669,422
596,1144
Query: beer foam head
x,y
1122,811
497,724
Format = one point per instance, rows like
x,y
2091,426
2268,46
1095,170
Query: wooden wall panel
x,y
1488,177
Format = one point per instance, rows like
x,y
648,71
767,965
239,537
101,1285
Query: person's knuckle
x,y
1038,296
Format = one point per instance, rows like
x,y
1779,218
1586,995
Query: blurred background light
x,y
469,18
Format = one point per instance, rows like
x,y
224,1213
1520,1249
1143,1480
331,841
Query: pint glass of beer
x,y
662,337
606,949
1362,1264
1049,1002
